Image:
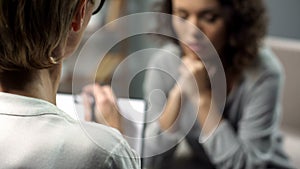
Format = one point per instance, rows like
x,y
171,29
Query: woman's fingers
x,y
88,89
191,66
193,77
109,93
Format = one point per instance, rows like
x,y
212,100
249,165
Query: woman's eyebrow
x,y
208,11
201,12
180,10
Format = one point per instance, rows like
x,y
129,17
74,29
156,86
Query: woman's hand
x,y
194,78
106,109
194,82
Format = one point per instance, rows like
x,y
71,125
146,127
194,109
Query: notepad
x,y
132,111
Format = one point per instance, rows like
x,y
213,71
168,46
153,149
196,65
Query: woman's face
x,y
206,15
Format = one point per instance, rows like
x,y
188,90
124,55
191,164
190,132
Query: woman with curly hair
x,y
247,134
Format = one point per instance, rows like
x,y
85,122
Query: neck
x,y
41,84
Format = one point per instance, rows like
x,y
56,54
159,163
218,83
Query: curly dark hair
x,y
246,23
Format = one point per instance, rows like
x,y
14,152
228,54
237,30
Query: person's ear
x,y
78,18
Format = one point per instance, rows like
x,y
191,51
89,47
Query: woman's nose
x,y
194,27
193,20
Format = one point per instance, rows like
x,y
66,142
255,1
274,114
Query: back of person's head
x,y
32,32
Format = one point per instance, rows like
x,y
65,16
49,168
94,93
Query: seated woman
x,y
246,133
36,36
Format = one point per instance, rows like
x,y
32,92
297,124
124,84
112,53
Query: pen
x,y
78,100
93,108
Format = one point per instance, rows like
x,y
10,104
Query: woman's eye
x,y
210,18
182,15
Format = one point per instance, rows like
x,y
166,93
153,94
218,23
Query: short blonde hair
x,y
31,31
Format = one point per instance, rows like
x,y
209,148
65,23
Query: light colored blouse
x,y
36,134
248,137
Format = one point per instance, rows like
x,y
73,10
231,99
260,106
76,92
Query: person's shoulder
x,y
269,61
99,144
89,134
110,140
267,65
104,137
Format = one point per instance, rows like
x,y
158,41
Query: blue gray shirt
x,y
248,137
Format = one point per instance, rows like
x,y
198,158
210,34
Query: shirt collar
x,y
11,104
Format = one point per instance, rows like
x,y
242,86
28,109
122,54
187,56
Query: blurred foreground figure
x,y
36,36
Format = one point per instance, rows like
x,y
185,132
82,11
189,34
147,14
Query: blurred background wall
x,y
284,16
284,39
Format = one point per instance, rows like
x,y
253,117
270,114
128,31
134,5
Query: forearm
x,y
209,116
252,141
172,109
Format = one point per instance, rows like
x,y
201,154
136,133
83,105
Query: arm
x,y
164,130
253,144
194,82
122,157
163,104
106,109
161,92
172,108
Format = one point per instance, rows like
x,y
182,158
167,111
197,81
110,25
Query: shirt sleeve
x,y
157,84
252,145
123,157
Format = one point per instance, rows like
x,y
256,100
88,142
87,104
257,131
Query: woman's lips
x,y
200,49
196,47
